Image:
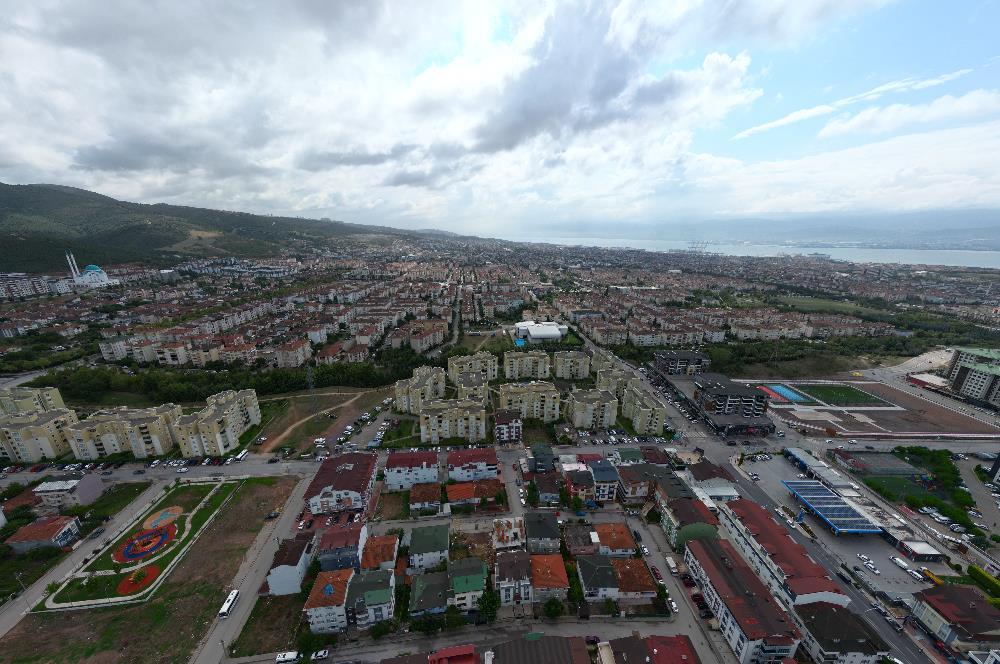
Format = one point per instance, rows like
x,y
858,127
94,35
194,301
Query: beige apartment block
x,y
215,430
526,364
144,432
570,365
592,409
483,362
33,437
602,359
18,400
614,381
538,400
452,418
471,385
427,384
644,408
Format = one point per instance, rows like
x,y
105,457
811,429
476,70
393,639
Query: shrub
x,y
988,583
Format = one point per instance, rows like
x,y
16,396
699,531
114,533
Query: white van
x,y
287,657
900,562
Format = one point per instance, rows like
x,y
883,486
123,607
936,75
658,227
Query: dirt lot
x,y
301,422
917,416
272,626
392,506
167,628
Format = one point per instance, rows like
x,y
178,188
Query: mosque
x,y
91,277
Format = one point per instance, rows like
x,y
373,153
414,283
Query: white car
x,y
320,655
182,470
864,558
523,503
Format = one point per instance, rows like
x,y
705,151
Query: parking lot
x,y
844,547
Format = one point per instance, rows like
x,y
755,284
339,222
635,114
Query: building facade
x,y
534,364
215,430
538,400
452,418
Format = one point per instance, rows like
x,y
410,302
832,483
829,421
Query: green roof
x,y
629,454
467,575
991,353
427,539
375,587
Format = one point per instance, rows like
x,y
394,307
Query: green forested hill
x,y
39,222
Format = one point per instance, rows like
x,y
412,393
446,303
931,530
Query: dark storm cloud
x,y
134,153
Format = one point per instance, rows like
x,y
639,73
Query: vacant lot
x,y
272,626
394,506
536,431
819,304
840,395
167,628
306,419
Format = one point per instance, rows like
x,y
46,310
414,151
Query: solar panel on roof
x,y
830,507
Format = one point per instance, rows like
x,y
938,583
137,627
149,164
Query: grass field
x,y
393,506
271,627
819,304
166,629
900,487
840,395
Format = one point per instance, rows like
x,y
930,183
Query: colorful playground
x,y
143,555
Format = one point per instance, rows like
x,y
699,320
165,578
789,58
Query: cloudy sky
x,y
504,118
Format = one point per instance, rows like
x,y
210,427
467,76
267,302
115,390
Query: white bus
x,y
228,605
242,455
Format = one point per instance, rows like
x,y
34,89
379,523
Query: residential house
x,y
371,598
48,531
548,577
425,497
471,464
290,564
67,491
605,480
580,484
512,577
429,594
549,486
466,582
635,581
340,547
542,529
958,616
597,577
507,427
429,546
615,539
326,607
834,634
652,649
581,540
380,552
404,469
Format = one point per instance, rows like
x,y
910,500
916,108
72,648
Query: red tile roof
x,y
633,575
671,650
548,571
454,655
339,537
460,491
411,459
41,530
344,472
804,575
425,493
330,589
756,612
379,549
462,457
614,535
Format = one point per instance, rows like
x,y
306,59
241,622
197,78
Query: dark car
x,y
638,537
706,614
592,640
273,460
97,533
139,471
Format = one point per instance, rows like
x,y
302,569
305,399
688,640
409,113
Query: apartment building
x,y
614,381
68,491
18,400
975,374
570,365
592,409
404,469
114,349
426,384
507,426
326,607
538,400
643,408
293,354
780,562
602,359
172,354
215,430
483,363
512,577
452,418
519,364
729,407
754,625
371,598
34,437
606,480
145,432
835,635
471,385
673,362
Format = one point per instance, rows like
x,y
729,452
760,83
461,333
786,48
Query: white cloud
x,y
885,119
941,169
901,85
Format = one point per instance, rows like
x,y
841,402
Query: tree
x,y
654,516
489,604
531,496
554,608
382,628
610,606
453,618
577,503
564,496
662,600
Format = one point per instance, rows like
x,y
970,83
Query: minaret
x,y
76,268
69,261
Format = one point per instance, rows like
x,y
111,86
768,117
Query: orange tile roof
x,y
460,491
548,571
41,530
614,535
633,575
425,493
378,549
330,589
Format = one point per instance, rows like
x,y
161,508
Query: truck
x,y
671,565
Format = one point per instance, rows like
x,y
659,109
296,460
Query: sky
x,y
509,118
